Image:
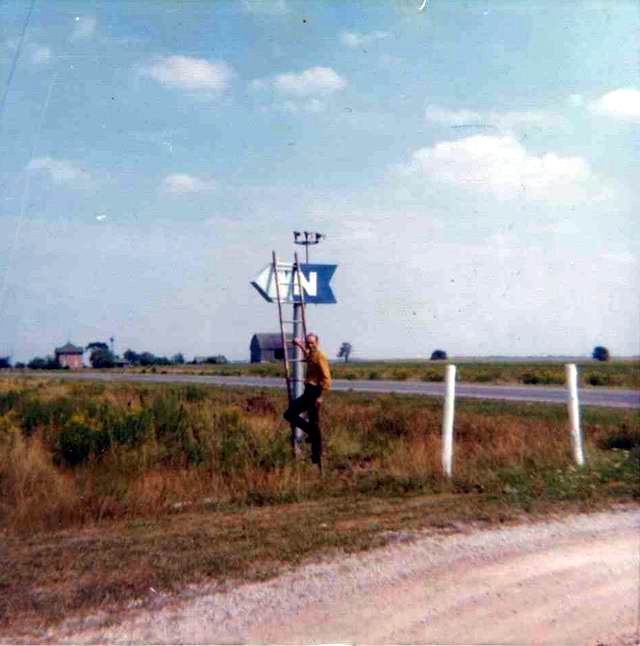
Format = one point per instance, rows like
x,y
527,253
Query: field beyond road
x,y
609,374
115,495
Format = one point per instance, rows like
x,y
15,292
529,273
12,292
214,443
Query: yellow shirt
x,y
318,372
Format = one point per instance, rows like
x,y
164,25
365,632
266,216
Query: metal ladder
x,y
282,298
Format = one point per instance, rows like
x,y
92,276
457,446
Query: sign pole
x,y
297,439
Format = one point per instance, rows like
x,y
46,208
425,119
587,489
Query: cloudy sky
x,y
474,166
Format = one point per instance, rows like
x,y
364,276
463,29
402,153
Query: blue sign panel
x,y
315,281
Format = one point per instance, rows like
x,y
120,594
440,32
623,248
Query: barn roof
x,y
270,340
69,348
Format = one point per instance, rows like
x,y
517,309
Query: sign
x,y
314,279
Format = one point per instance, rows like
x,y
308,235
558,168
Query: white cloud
x,y
84,27
304,91
60,171
258,84
268,7
313,81
500,166
508,121
181,183
557,227
36,54
40,55
624,257
623,104
354,40
295,107
575,100
190,73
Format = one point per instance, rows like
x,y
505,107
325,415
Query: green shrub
x,y
195,393
595,379
9,401
231,436
432,375
132,429
75,443
623,438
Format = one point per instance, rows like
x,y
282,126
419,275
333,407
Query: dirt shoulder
x,y
570,580
147,565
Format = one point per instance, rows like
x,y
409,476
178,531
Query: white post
x,y
574,412
447,420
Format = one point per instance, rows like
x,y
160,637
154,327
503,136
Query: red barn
x,y
70,356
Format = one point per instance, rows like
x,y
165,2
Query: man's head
x,y
312,341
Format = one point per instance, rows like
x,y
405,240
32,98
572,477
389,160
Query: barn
x,y
268,347
70,356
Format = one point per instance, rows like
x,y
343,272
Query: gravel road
x,y
569,581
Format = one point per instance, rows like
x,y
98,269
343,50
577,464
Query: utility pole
x,y
305,238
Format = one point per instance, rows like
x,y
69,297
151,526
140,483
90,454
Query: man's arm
x,y
302,346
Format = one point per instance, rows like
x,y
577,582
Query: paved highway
x,y
588,396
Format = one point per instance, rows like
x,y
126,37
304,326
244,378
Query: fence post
x,y
574,412
447,420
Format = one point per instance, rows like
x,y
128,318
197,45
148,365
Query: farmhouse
x,y
70,356
268,347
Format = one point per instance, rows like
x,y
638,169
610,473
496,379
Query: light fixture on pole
x,y
307,238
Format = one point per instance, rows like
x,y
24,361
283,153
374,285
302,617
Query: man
x,y
317,381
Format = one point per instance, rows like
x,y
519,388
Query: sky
x,y
473,166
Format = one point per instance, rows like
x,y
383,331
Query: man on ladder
x,y
317,381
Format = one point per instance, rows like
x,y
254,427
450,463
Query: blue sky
x,y
473,165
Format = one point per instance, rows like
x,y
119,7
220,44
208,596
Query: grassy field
x,y
108,491
612,374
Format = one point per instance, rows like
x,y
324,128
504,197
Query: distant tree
x,y
51,363
38,363
345,351
101,358
161,361
131,356
5,362
20,365
178,358
600,353
96,345
146,359
438,355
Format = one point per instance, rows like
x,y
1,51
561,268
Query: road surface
x,y
588,396
569,581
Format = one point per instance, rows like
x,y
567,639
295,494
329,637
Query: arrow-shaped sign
x,y
313,278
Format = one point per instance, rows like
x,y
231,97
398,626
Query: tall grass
x,y
74,453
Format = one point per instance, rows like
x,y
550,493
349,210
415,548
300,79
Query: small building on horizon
x,y
268,347
70,356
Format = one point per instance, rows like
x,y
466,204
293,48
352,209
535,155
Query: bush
x,y
75,443
231,437
438,355
133,428
594,379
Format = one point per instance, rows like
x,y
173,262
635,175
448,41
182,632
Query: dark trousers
x,y
308,403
